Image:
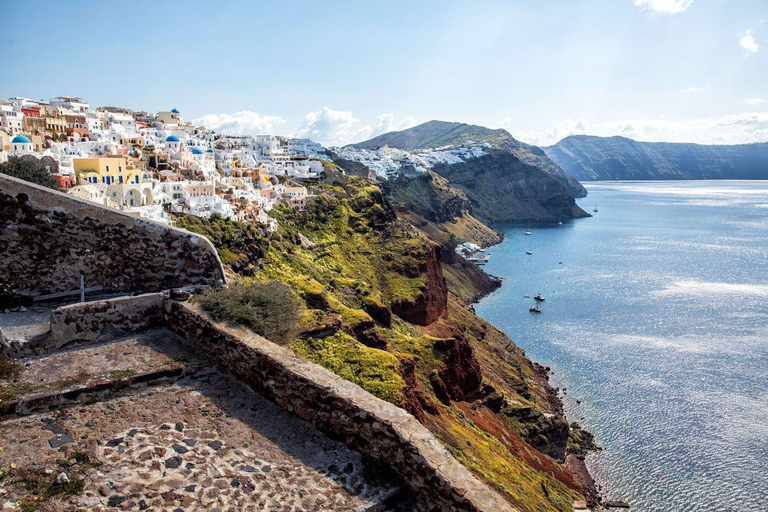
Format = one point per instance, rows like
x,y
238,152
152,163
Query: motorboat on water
x,y
595,210
526,296
527,233
528,252
539,297
535,309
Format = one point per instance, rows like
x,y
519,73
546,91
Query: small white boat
x,y
529,252
527,233
595,210
526,296
539,297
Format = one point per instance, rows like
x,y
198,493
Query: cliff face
x,y
429,304
429,195
501,187
619,158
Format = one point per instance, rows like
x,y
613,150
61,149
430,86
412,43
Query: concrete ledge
x,y
342,410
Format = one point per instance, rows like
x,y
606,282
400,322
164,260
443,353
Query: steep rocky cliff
x,y
387,308
503,188
619,158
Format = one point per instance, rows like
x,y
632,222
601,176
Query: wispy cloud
x,y
665,6
336,127
748,42
755,101
243,122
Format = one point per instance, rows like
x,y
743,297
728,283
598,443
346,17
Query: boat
x,y
535,309
539,297
480,259
526,296
527,233
595,210
528,252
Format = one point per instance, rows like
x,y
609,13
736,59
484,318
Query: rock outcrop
x,y
461,374
619,158
432,300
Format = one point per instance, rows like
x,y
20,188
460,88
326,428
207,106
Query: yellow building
x,y
107,171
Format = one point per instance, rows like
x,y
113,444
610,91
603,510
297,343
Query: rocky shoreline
x,y
575,458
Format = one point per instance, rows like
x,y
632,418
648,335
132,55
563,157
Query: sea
x,y
655,325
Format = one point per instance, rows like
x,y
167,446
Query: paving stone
x,y
60,440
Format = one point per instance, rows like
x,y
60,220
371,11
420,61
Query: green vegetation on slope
x,y
351,260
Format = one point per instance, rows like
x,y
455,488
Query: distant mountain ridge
x,y
436,134
586,158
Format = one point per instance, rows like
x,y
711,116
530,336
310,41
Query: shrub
x,y
269,309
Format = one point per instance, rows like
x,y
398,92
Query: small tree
x,y
29,168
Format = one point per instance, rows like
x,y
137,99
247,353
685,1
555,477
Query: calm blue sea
x,y
657,322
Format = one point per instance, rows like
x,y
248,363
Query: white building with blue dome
x,y
21,145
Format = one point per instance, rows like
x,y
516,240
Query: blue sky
x,y
678,70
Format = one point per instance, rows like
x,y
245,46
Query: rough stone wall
x,y
341,409
47,239
96,320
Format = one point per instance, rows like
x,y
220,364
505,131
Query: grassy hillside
x,y
384,308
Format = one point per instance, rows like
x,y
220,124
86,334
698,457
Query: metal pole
x,y
82,288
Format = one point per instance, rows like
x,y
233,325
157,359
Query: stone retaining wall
x,y
48,239
90,321
342,410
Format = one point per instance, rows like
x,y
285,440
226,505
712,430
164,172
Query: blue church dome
x,y
20,139
172,138
209,150
175,111
197,151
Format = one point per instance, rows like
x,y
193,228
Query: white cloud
x,y
755,101
748,42
244,122
665,6
336,128
386,123
731,129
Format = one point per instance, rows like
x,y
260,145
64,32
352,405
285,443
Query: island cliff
x,y
619,158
